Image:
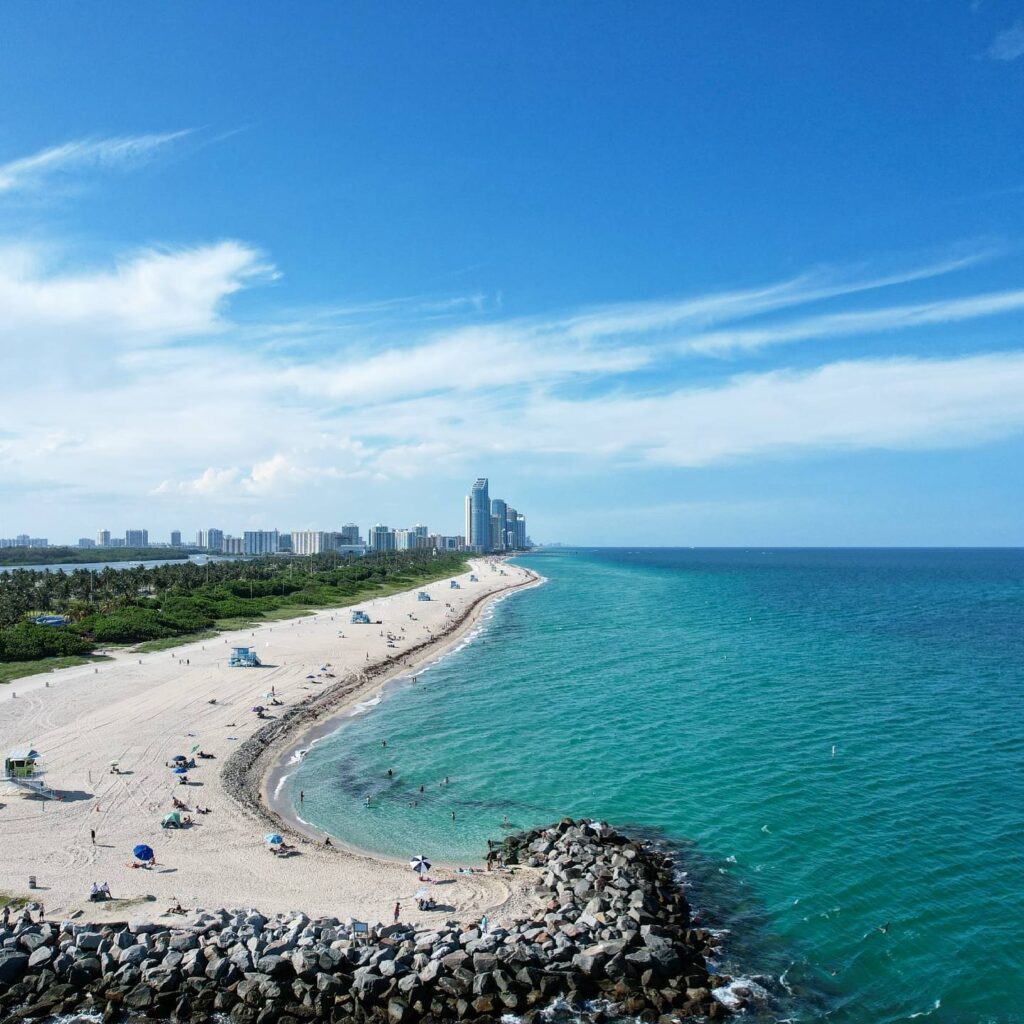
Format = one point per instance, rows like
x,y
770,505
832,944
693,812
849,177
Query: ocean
x,y
831,741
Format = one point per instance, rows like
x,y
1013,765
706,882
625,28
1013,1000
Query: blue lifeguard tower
x,y
454,585
360,618
422,596
243,657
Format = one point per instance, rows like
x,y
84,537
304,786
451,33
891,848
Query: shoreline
x,y
325,716
139,711
260,764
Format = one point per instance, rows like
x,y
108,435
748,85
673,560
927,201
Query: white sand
x,y
143,709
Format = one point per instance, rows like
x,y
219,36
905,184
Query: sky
x,y
666,274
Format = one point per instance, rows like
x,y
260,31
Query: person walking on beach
x,y
398,911
92,836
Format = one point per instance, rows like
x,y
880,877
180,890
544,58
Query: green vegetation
x,y
168,642
10,670
173,603
14,902
64,556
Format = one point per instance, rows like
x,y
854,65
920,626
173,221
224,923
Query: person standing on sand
x,y
398,911
92,836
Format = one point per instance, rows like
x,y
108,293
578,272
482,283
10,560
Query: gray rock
x,y
12,966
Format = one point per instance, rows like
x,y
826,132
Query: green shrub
x,y
27,642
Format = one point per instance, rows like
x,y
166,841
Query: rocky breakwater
x,y
610,925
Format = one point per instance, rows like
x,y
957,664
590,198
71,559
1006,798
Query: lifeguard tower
x,y
360,618
243,657
422,596
454,585
473,579
22,769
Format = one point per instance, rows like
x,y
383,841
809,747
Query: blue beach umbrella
x,y
179,757
180,771
273,839
143,852
420,864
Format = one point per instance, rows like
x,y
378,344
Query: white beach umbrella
x,y
420,864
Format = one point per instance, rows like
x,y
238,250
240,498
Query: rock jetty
x,y
611,930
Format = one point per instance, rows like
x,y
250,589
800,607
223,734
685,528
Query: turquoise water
x,y
696,696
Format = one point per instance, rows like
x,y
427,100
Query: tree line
x,y
113,606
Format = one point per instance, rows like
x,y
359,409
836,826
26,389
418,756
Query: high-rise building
x,y
175,538
510,526
103,538
86,542
405,540
261,542
214,539
422,534
520,531
308,542
381,538
469,518
350,534
232,545
136,538
499,535
200,538
284,542
479,516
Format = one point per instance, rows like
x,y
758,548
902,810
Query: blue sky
x,y
666,273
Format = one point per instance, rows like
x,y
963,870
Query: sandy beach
x,y
141,710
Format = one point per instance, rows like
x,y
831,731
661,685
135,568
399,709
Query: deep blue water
x,y
696,696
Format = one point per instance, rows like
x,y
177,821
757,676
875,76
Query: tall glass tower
x,y
479,516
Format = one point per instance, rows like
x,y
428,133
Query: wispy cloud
x,y
872,321
30,172
1009,44
244,412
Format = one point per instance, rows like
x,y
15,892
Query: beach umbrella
x,y
273,839
180,771
179,757
258,708
420,864
143,852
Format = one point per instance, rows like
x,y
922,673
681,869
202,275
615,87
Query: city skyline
x,y
498,527
689,276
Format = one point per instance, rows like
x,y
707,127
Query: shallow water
x,y
696,697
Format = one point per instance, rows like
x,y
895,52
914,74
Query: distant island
x,y
62,555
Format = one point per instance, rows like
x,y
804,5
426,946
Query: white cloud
x,y
223,418
871,321
1009,44
30,172
148,296
890,404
